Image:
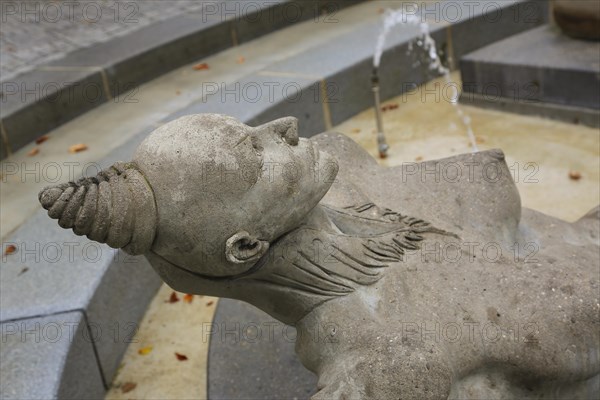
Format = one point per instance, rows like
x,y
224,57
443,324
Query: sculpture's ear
x,y
243,247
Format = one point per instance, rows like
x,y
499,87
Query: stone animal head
x,y
205,191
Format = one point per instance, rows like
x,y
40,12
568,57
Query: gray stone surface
x,y
251,356
347,69
49,357
152,50
386,273
262,97
144,40
36,32
574,115
493,21
44,98
538,66
52,273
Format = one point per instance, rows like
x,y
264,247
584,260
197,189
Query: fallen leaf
x,y
241,59
41,139
11,248
380,11
25,269
33,152
200,67
356,130
479,140
210,303
388,107
181,357
419,158
173,298
178,92
575,175
145,350
76,148
128,387
188,298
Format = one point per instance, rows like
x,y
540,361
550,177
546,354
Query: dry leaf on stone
x,y
201,66
575,175
128,387
419,158
188,298
356,130
25,269
388,107
76,148
241,60
173,298
33,152
10,249
210,303
145,350
41,139
181,357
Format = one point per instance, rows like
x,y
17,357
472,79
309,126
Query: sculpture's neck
x,y
331,255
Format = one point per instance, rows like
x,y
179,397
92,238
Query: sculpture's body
x,y
477,302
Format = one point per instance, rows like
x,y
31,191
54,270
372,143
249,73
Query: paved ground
x,y
33,32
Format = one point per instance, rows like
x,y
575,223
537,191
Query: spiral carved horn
x,y
115,207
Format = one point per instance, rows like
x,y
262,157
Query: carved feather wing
x,y
332,264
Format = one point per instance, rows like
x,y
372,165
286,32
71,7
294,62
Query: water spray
x,y
392,18
381,142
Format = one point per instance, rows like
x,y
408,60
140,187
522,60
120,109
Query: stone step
x,y
538,72
55,92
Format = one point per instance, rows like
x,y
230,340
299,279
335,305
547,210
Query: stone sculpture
x,y
425,281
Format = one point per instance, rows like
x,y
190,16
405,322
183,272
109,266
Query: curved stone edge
x,y
54,93
56,347
261,373
113,302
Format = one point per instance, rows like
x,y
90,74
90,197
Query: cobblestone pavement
x,y
33,32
